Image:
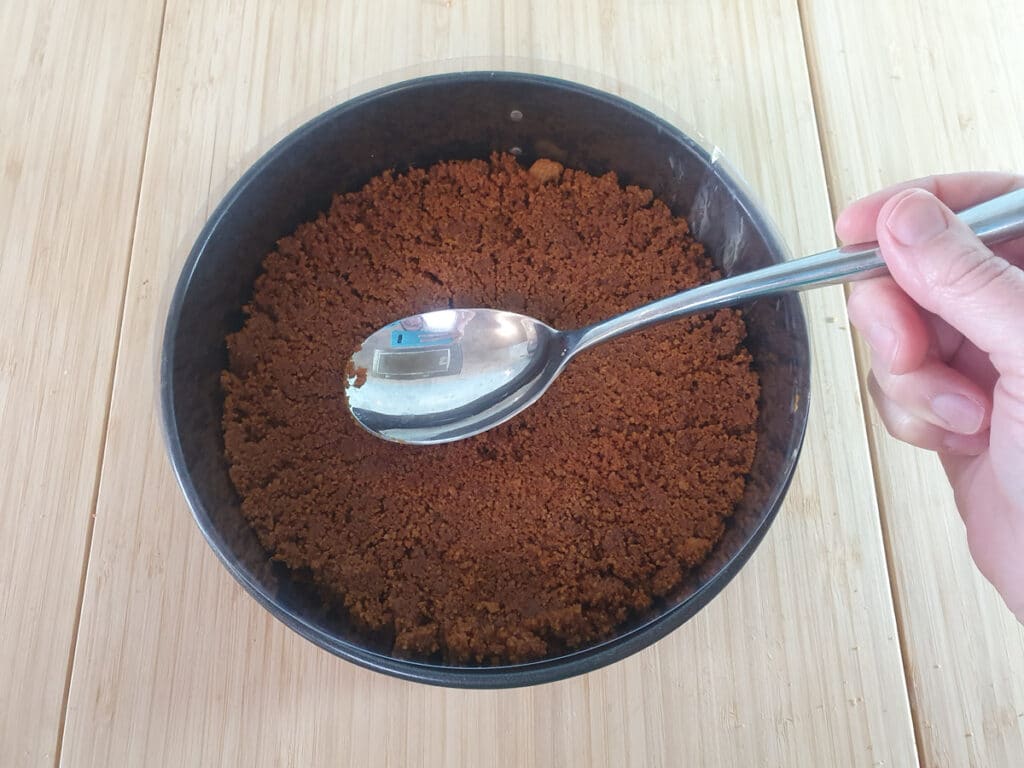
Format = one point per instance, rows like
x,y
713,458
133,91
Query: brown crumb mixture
x,y
548,532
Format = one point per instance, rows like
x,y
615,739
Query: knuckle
x,y
969,270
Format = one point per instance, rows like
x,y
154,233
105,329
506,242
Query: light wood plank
x,y
907,89
76,81
796,664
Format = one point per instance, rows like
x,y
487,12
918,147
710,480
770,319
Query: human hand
x,y
946,332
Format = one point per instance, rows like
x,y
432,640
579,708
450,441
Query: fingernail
x,y
882,341
960,414
916,219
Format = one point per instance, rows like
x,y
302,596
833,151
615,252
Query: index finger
x,y
856,224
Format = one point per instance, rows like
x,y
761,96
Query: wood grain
x,y
904,90
797,663
76,97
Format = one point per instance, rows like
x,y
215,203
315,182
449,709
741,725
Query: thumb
x,y
945,268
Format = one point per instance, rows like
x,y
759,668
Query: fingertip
x,y
883,233
856,223
842,227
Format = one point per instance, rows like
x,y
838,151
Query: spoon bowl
x,y
452,373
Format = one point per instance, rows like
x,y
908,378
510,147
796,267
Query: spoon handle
x,y
994,221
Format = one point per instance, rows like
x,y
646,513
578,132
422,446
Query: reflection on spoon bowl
x,y
452,373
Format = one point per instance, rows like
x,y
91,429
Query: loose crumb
x,y
356,372
546,171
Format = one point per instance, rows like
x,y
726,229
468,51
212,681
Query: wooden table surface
x,y
858,635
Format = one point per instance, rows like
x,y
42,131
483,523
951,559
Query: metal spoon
x,y
445,375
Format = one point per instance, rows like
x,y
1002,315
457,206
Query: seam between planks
x,y
862,367
90,524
